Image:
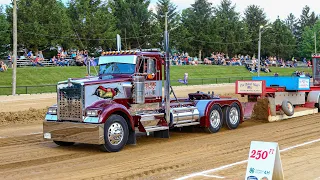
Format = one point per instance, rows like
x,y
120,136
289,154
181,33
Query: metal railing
x,y
51,88
47,88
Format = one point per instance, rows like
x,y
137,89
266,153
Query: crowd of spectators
x,y
250,63
78,58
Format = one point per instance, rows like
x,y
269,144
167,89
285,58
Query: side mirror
x,y
151,66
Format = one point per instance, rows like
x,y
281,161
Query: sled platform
x,y
298,111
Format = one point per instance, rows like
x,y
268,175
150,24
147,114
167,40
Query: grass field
x,y
202,74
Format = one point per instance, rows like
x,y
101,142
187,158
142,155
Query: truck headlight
x,y
92,112
52,110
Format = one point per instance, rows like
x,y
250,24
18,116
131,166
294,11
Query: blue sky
x,y
273,8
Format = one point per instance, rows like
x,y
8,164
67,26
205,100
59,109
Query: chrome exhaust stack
x,y
167,71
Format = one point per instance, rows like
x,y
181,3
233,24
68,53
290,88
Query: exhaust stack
x,y
167,70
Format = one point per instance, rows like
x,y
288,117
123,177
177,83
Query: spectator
x,y
36,62
54,60
276,74
3,66
30,55
10,60
40,56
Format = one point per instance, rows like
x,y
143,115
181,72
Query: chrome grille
x,y
70,103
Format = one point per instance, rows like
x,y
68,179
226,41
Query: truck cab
x,y
125,98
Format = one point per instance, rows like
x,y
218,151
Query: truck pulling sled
x,y
287,97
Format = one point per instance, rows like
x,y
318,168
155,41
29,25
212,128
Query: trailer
x,y
286,97
125,98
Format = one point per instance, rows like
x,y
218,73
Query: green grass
x,y
202,74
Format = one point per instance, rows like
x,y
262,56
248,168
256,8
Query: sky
x,y
273,8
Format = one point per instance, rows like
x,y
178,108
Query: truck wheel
x,y
317,105
215,119
287,107
232,116
62,143
116,134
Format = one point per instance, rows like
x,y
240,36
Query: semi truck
x,y
127,97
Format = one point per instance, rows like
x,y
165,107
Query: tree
x,y
254,17
41,23
307,44
307,19
278,41
162,7
134,20
291,23
198,24
93,23
5,30
231,29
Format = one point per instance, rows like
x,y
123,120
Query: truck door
x,y
153,85
316,70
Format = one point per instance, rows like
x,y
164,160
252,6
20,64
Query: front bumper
x,y
74,132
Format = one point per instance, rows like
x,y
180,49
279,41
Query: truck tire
x,y
62,143
287,107
116,134
215,119
317,105
232,116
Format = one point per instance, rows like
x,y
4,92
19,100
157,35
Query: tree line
x,y
200,29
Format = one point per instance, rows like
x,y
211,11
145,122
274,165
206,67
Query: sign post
x,y
264,162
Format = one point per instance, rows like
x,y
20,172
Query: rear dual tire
x,y
230,115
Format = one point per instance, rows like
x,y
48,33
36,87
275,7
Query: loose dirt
x,y
24,154
23,117
260,110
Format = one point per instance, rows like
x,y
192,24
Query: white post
x,y
15,49
259,47
118,42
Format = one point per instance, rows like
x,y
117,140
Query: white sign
x,y
264,162
304,83
254,87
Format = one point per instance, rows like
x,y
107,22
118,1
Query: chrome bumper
x,y
73,132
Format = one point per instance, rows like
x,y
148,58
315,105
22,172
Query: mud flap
x,y
132,138
247,108
161,134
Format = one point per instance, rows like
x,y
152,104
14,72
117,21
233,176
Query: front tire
x,y
232,116
215,119
116,134
62,143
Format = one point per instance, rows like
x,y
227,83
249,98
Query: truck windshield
x,y
116,68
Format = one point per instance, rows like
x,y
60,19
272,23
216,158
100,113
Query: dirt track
x,y
24,155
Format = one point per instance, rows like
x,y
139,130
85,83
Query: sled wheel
x,y
287,107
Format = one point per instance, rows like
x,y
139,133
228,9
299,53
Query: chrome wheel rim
x,y
115,133
290,108
234,115
215,119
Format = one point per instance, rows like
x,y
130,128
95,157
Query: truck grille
x,y
70,103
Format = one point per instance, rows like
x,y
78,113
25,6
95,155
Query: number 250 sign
x,y
264,161
260,154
